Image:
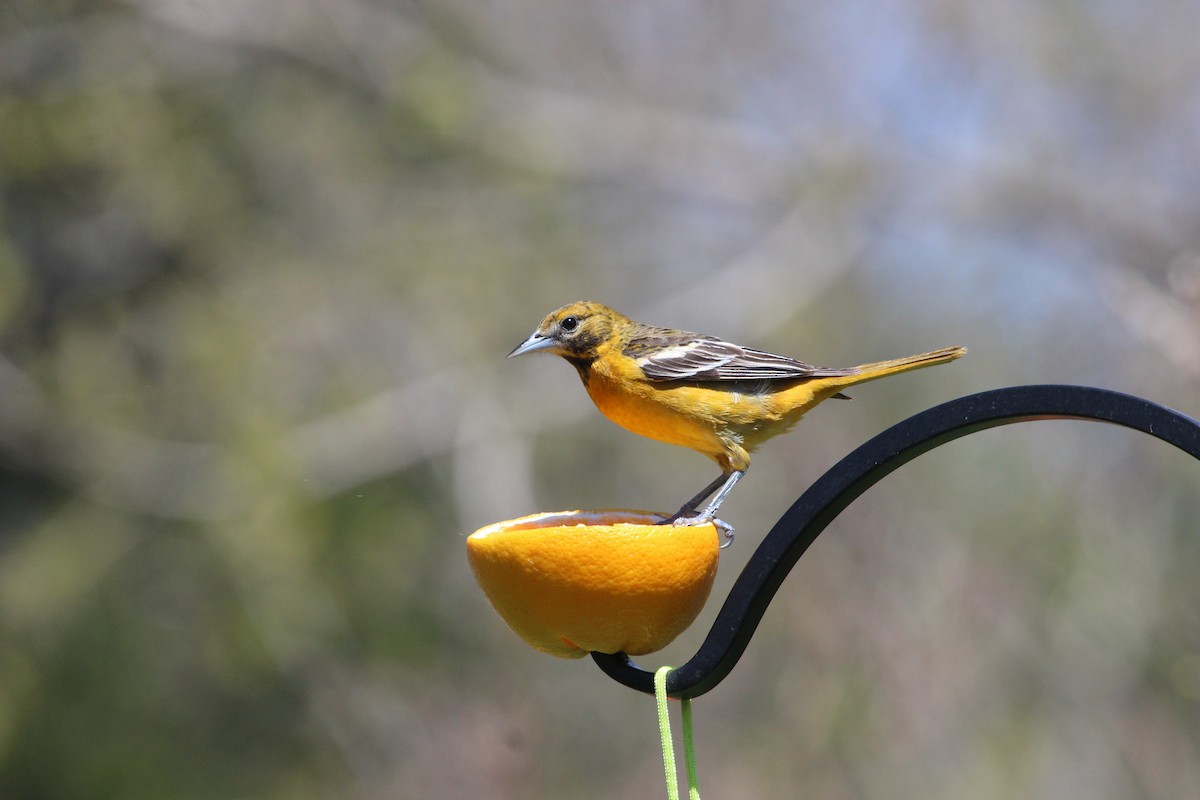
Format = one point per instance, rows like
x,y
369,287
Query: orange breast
x,y
667,414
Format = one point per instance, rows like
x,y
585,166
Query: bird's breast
x,y
672,414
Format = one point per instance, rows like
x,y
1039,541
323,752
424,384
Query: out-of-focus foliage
x,y
259,266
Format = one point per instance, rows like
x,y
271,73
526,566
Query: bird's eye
x,y
569,324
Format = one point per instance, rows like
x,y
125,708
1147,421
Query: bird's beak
x,y
535,342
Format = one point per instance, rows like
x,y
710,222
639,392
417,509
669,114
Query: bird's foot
x,y
687,516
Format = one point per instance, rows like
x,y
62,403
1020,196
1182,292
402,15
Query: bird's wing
x,y
667,355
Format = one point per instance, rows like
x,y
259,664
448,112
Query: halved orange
x,y
570,582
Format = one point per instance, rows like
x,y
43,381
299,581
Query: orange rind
x,y
570,582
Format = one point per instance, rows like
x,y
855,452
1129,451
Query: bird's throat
x,y
582,365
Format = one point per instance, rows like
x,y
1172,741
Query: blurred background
x,y
260,264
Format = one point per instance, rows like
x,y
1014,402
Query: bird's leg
x,y
710,511
688,509
688,516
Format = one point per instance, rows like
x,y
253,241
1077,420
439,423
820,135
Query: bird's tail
x,y
840,379
881,369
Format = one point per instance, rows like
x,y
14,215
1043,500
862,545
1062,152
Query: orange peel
x,y
570,582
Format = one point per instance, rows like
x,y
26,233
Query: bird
x,y
697,391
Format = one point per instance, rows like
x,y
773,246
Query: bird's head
x,y
575,331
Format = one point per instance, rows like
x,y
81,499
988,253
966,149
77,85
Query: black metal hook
x,y
840,486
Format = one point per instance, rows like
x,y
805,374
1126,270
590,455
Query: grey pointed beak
x,y
534,343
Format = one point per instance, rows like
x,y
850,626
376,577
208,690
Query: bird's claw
x,y
726,532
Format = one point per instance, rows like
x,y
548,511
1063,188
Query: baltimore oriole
x,y
697,391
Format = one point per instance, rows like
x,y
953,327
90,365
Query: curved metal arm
x,y
863,468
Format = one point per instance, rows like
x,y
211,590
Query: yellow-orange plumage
x,y
697,391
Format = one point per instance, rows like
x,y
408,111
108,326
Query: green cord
x,y
668,748
689,750
664,730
